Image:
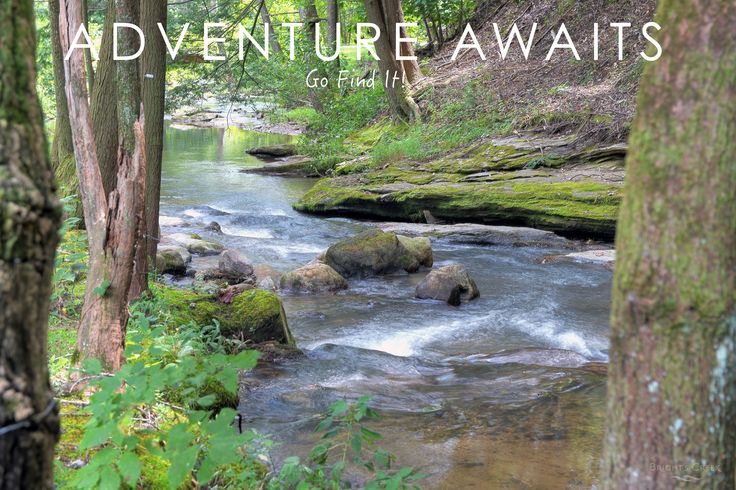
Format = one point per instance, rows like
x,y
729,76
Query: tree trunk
x,y
333,17
310,18
672,376
103,104
402,105
114,220
30,217
266,18
88,52
153,94
62,149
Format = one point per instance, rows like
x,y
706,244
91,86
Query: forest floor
x,y
514,141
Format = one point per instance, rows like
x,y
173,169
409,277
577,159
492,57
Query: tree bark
x,y
103,104
310,18
114,220
333,17
380,12
672,376
153,95
62,149
266,18
30,216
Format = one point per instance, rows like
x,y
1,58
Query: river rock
x,y
420,248
451,283
195,244
253,316
267,284
372,252
313,278
274,151
236,266
172,259
214,227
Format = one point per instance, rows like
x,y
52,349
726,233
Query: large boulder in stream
x,y
254,316
372,252
194,244
451,284
273,151
313,278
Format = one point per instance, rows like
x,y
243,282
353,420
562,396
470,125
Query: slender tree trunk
x,y
153,94
333,17
266,18
30,217
114,220
310,18
402,105
62,149
672,377
103,104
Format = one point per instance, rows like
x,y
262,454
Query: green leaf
x,y
130,467
245,360
92,367
207,401
109,479
97,436
101,290
182,464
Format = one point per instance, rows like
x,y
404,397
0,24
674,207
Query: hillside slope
x,y
531,142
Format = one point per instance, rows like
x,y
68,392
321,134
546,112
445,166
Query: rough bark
x,y
113,220
266,18
103,104
30,217
62,149
153,93
384,13
672,377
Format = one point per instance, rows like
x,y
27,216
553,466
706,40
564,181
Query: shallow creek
x,y
495,394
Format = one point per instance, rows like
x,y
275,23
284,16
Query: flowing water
x,y
505,392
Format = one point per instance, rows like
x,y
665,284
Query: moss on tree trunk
x,y
30,217
672,384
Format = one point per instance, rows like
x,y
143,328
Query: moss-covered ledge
x,y
581,209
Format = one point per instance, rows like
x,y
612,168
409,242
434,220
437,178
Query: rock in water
x,y
313,278
452,284
236,266
194,244
214,226
172,259
253,316
372,252
274,151
420,247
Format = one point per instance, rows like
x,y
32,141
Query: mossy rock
x,y
254,316
372,252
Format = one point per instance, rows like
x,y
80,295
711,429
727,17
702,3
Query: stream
x,y
505,392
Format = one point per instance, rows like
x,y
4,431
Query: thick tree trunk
x,y
153,94
30,217
62,149
114,220
380,12
266,18
88,52
103,104
672,377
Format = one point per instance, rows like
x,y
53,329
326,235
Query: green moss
x,y
256,315
61,341
567,207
